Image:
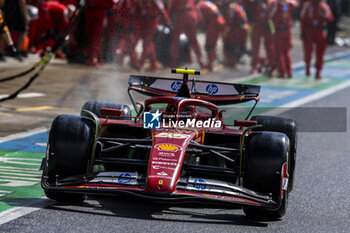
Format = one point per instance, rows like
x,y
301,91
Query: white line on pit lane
x,y
15,161
19,178
19,174
26,95
23,134
16,183
20,169
17,212
3,193
16,171
308,99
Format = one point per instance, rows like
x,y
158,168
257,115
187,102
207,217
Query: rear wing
x,y
215,92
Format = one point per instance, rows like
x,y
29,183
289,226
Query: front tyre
x,y
288,127
265,171
69,154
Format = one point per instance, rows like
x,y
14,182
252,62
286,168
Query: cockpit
x,y
179,108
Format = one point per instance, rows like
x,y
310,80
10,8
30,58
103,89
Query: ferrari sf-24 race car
x,y
176,147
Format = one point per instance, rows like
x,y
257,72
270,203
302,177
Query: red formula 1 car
x,y
176,148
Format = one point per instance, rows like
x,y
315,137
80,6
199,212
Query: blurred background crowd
x,y
108,31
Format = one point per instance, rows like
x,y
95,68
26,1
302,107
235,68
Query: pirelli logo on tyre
x,y
168,147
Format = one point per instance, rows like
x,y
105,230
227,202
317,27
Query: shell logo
x,y
168,147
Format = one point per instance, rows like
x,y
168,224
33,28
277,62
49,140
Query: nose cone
x,y
166,158
162,185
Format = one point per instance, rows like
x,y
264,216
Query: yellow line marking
x,y
42,108
5,114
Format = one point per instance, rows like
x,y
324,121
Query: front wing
x,y
188,190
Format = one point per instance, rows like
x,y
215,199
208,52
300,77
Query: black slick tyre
x,y
265,157
287,126
69,153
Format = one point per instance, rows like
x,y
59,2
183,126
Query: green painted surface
x,y
299,82
19,178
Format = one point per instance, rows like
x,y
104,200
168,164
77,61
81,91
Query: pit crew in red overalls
x,y
314,17
261,9
150,13
53,18
184,17
282,13
235,33
213,22
59,14
126,19
95,12
43,18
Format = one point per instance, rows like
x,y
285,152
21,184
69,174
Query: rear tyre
x,y
95,106
69,153
282,125
266,154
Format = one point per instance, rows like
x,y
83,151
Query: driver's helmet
x,y
187,112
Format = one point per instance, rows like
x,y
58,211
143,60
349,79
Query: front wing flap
x,y
188,189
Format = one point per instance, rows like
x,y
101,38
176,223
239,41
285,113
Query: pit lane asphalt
x,y
320,201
